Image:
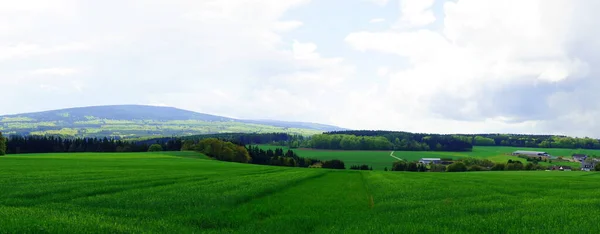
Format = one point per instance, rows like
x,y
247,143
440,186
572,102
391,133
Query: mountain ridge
x,y
111,120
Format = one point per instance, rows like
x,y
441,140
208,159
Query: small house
x,y
579,157
430,160
531,153
560,168
565,168
589,165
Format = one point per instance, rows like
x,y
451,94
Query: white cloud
x,y
469,66
379,2
285,26
485,49
60,71
377,20
415,13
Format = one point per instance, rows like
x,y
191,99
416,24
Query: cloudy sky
x,y
462,66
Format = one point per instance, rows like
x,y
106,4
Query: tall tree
x,y
2,145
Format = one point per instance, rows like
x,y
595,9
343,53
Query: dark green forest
x,y
408,141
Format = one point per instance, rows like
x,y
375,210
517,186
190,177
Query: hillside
x,y
135,121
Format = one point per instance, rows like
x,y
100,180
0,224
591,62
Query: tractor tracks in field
x,y
392,155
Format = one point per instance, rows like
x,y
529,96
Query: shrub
x,y
529,166
412,166
399,166
476,168
498,167
437,168
155,148
514,166
597,167
456,167
334,164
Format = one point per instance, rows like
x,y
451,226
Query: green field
x,y
181,192
382,159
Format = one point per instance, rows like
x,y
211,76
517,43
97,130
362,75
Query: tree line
x,y
390,141
2,145
238,152
535,141
466,164
50,144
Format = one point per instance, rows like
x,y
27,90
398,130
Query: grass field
x,y
381,159
177,193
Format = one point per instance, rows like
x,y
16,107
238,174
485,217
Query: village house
x,y
589,165
561,168
531,153
430,160
579,157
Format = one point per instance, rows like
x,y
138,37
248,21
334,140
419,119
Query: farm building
x,y
430,160
589,165
561,168
531,153
579,157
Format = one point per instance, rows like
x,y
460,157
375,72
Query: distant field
x,y
172,193
382,159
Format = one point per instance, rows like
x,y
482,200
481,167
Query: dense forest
x,y
339,140
415,141
51,144
373,140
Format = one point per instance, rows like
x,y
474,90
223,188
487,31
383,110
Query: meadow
x,y
382,159
184,192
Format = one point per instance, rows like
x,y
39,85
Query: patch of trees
x,y
534,141
51,144
2,145
222,150
457,167
466,164
382,140
409,166
363,167
278,157
155,148
334,164
413,141
282,139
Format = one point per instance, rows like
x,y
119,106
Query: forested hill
x,y
135,121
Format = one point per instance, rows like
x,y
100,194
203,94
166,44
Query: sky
x,y
460,66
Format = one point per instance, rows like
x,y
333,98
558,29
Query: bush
x,y
597,167
437,168
476,168
363,167
412,166
456,167
498,167
399,166
530,166
514,166
155,148
334,164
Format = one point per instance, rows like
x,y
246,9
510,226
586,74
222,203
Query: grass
x,y
382,159
171,192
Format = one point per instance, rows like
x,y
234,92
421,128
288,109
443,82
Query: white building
x,y
430,160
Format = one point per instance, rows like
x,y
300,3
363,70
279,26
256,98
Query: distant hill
x,y
138,121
